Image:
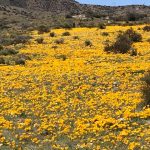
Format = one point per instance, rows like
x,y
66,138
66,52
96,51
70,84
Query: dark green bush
x,y
20,39
101,26
1,47
66,33
39,40
43,29
7,51
105,34
122,45
2,60
59,41
52,34
146,28
20,61
62,57
133,35
76,37
88,43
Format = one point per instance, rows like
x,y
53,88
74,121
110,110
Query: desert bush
x,y
105,34
62,57
7,51
133,35
101,26
66,33
2,60
20,61
59,41
67,25
146,89
1,47
20,39
39,40
133,52
43,29
76,37
122,45
88,43
146,28
52,34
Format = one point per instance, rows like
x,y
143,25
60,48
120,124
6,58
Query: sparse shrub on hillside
x,y
20,61
122,45
62,57
146,28
67,25
21,39
1,47
88,43
101,26
59,41
66,33
7,51
133,52
133,35
43,29
105,34
2,60
39,40
76,37
52,34
146,89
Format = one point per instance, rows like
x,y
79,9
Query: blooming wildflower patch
x,y
86,101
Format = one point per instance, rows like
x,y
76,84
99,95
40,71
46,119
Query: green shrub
x,y
105,34
62,57
20,39
146,28
66,34
39,40
52,34
59,41
76,37
133,35
2,60
1,47
133,52
122,45
88,43
20,61
43,29
6,52
146,89
101,26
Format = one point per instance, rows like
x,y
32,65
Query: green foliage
x,y
66,33
39,40
101,26
20,61
52,34
43,29
146,28
133,35
88,43
122,45
59,41
7,51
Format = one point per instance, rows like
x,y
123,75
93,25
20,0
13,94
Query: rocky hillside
x,y
46,5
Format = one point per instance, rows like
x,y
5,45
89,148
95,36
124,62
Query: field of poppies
x,y
73,95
